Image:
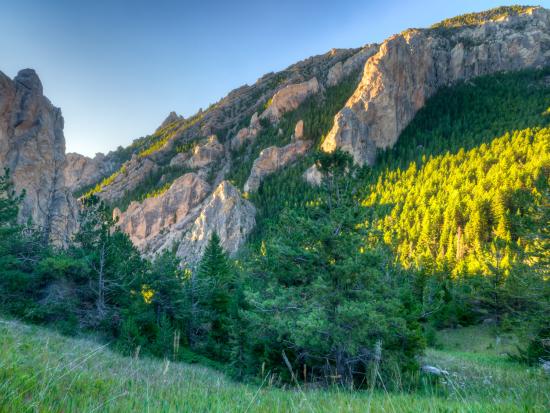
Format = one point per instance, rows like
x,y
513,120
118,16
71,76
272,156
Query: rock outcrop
x,y
128,178
410,67
224,212
289,98
171,118
272,159
313,176
205,153
32,146
299,130
186,215
82,171
343,69
247,134
145,220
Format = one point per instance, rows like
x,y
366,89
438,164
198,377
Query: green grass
x,y
42,371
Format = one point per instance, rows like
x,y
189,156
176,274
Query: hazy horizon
x,y
117,70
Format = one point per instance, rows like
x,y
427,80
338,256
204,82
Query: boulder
x,y
434,370
313,176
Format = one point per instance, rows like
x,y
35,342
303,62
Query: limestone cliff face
x,y
345,68
186,216
145,220
32,146
82,171
224,212
272,159
289,98
410,67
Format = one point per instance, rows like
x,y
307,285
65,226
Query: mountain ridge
x,y
394,80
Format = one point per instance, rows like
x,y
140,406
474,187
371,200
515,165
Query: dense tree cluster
x,y
339,283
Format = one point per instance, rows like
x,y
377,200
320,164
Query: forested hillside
x,y
456,215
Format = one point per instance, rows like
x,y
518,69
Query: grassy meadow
x,y
42,371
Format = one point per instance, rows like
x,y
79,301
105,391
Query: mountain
x,y
32,147
411,66
191,177
318,227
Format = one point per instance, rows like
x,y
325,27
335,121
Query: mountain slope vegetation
x,y
351,284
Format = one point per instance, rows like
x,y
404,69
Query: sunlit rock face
x,y
82,171
32,146
186,216
224,212
289,98
272,159
410,67
345,68
206,153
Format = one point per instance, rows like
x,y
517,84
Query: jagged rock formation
x,y
411,66
225,118
397,78
247,134
130,176
289,98
145,220
32,146
206,153
343,69
186,215
82,171
272,159
171,118
224,212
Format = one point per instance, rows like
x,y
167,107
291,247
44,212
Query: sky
x,y
117,68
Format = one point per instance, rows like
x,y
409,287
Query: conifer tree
x,y
216,284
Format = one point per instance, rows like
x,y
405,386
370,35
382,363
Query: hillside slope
x,y
259,130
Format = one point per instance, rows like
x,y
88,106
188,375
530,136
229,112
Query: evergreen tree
x,y
325,300
116,267
216,285
14,282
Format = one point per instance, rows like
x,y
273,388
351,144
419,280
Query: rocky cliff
x,y
32,146
186,216
172,186
81,171
408,68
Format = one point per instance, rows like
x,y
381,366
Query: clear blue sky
x,y
117,68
